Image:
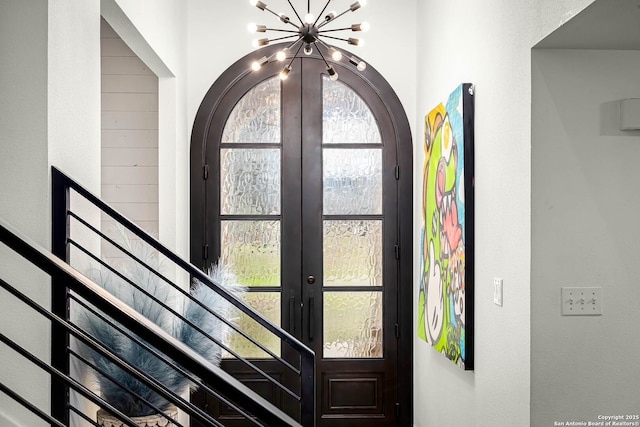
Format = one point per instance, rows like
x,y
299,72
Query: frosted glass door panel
x,y
352,181
267,304
250,181
346,119
256,117
253,250
352,253
352,324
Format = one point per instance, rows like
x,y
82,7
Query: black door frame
x,y
206,124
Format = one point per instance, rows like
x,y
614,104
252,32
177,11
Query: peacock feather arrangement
x,y
190,309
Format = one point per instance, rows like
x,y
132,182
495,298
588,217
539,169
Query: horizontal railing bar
x,y
65,378
88,340
30,406
146,293
122,249
140,325
188,267
182,291
197,328
83,415
162,357
120,386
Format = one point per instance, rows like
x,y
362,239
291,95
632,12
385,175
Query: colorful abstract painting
x,y
445,300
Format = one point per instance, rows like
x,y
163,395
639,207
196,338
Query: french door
x,y
301,197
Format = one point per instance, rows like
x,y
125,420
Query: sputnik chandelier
x,y
308,35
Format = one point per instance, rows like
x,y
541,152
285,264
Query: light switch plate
x,y
581,301
497,291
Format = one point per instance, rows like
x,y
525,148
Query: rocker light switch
x,y
581,301
497,291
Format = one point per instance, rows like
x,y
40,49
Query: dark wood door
x,y
303,199
349,235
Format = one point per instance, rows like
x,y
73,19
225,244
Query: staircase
x,y
81,351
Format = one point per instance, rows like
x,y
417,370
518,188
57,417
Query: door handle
x,y
312,317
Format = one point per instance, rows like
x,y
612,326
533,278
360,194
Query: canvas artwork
x,y
445,310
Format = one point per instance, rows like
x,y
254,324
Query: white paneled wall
x,y
129,135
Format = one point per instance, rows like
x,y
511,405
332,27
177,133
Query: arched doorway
x,y
306,186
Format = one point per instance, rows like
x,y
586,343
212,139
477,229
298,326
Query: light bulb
x,y
336,55
360,65
332,73
260,42
284,18
285,73
363,3
307,49
256,65
309,18
281,55
330,15
255,28
360,27
258,4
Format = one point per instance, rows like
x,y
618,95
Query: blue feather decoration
x,y
190,308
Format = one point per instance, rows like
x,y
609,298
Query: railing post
x,y
59,299
307,390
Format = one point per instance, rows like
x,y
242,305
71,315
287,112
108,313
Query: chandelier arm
x,y
297,51
335,38
282,31
322,24
278,15
321,55
282,38
336,29
296,12
326,46
322,12
294,43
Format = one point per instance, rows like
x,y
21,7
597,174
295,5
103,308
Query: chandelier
x,y
309,33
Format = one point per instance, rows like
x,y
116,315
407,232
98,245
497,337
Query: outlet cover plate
x,y
578,301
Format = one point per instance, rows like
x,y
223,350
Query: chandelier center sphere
x,y
308,33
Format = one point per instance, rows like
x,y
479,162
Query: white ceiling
x,y
603,25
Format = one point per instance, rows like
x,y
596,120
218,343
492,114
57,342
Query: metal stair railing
x,y
66,220
118,315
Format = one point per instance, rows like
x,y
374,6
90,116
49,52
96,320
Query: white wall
x,y
23,116
49,116
486,43
585,233
218,37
